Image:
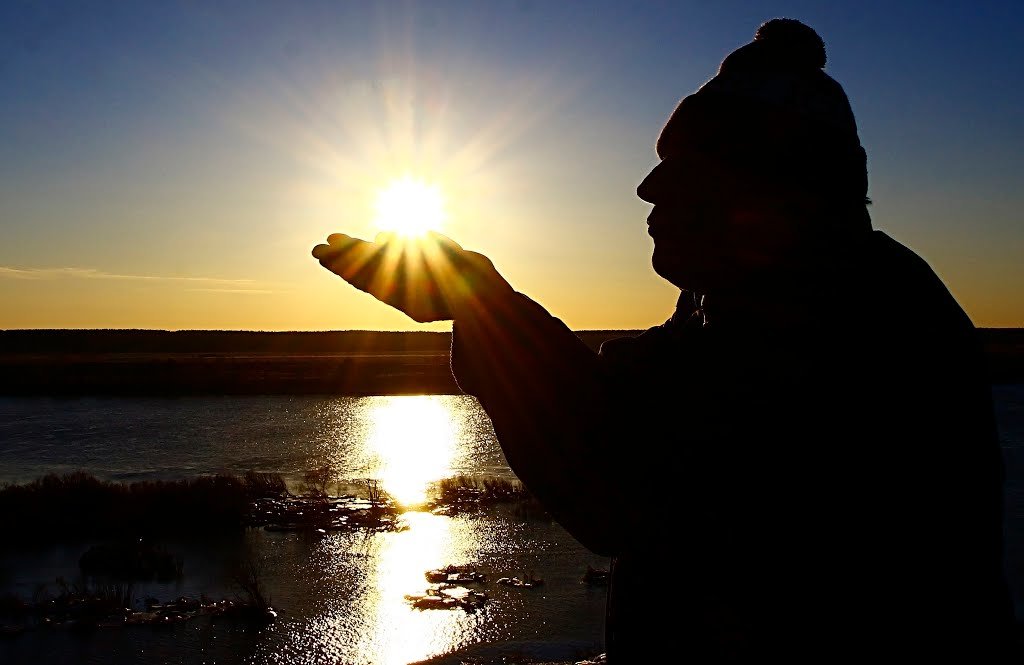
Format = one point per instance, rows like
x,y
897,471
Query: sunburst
x,y
410,207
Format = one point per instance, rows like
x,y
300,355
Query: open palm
x,y
427,278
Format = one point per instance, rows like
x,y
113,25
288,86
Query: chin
x,y
687,274
669,269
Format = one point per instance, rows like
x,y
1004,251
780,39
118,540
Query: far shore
x,y
156,362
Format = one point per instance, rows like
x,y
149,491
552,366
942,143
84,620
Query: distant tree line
x,y
219,341
214,362
79,341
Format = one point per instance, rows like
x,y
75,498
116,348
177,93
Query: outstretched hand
x,y
429,278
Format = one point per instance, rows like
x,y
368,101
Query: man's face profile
x,y
715,221
688,221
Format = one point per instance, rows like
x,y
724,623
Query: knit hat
x,y
772,107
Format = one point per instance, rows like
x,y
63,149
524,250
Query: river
x,y
341,596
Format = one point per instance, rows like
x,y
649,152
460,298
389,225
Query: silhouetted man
x,y
802,463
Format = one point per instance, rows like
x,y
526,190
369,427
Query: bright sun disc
x,y
410,207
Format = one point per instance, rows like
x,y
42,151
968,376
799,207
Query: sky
x,y
170,165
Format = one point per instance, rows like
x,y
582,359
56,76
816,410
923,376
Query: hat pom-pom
x,y
793,41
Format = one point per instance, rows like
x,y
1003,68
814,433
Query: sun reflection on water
x,y
414,438
362,615
406,443
399,633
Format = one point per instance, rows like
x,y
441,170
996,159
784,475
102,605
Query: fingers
x,y
425,278
338,239
352,259
336,242
321,251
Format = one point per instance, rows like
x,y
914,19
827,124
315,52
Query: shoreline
x,y
181,374
179,363
205,362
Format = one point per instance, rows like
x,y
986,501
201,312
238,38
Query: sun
x,y
410,207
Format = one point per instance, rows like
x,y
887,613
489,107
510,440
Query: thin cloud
x,y
244,291
92,273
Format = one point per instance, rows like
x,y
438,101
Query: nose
x,y
654,182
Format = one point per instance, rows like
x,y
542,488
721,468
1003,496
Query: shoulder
x,y
657,343
913,323
908,289
623,349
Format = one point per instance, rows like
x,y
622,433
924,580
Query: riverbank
x,y
173,363
441,575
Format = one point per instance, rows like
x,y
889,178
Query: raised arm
x,y
548,395
553,406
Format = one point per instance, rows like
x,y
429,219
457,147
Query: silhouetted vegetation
x,y
133,515
465,493
79,504
317,482
261,484
56,507
325,513
248,575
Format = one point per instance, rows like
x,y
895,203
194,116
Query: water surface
x,y
341,595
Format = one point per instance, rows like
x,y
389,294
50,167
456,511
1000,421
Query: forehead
x,y
725,126
690,128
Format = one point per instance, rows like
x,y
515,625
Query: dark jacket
x,y
820,488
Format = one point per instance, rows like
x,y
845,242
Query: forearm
x,y
547,397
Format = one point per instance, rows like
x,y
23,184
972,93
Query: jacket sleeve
x,y
552,402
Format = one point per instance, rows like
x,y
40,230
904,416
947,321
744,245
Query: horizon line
x,y
338,330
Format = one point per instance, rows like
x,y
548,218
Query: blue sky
x,y
169,165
